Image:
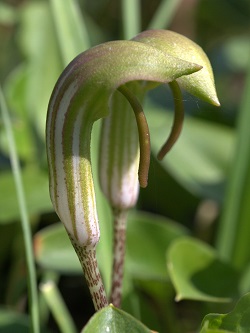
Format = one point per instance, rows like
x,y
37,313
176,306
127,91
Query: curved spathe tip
x,y
201,83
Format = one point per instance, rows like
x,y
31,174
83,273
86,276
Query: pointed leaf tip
x,y
112,319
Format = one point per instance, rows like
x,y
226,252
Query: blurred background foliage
x,y
190,232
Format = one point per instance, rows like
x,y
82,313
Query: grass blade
x,y
164,14
57,306
234,229
33,295
131,18
71,30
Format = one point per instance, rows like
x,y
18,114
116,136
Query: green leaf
x,y
204,148
53,250
198,274
207,330
113,320
36,193
234,322
146,260
200,84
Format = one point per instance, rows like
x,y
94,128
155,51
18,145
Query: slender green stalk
x,y
131,18
164,14
57,306
233,235
33,295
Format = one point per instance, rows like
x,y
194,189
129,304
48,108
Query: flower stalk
x,y
87,258
119,244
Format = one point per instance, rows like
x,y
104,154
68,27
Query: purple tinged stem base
x,y
120,219
87,258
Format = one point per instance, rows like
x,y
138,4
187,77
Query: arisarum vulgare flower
x,y
112,78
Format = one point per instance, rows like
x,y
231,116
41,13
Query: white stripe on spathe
x,y
58,189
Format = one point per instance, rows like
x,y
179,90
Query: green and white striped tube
x,y
119,155
68,146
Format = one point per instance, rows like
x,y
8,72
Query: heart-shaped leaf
x,y
198,274
155,233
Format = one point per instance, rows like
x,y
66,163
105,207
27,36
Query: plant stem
x,y
233,232
87,258
120,219
33,295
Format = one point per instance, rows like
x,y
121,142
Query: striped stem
x,y
120,219
87,258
